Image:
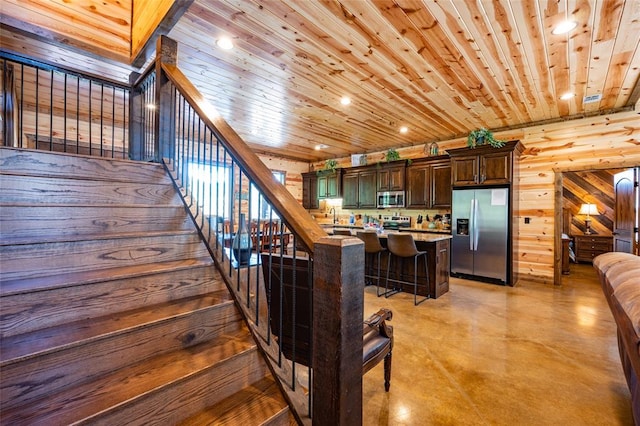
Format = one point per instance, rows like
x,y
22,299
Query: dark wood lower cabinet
x,y
438,255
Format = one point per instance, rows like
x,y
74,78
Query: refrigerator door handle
x,y
472,225
476,228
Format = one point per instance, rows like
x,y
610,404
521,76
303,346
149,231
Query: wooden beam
x,y
173,15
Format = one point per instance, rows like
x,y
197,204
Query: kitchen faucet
x,y
333,210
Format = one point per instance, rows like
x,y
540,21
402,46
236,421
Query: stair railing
x,y
53,108
295,276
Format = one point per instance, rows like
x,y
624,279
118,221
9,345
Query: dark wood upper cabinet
x,y
429,183
359,188
391,176
418,185
330,184
484,165
350,183
441,185
310,191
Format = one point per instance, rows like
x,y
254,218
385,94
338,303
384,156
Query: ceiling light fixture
x,y
224,43
567,96
404,129
564,27
345,100
320,146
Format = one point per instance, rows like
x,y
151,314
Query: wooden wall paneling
x,y
590,187
75,135
293,172
601,142
77,94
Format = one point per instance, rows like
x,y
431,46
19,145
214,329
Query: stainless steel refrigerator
x,y
480,224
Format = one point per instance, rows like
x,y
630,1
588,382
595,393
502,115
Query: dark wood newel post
x,y
136,106
167,52
338,305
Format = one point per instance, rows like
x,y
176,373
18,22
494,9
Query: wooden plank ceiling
x,y
440,68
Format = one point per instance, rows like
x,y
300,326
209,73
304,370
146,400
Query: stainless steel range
x,y
396,222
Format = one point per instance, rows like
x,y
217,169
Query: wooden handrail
x,y
292,212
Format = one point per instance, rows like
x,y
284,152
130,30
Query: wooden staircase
x,y
111,309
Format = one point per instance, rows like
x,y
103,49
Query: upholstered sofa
x,y
620,278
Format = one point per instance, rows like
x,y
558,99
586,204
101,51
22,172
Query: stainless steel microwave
x,y
391,199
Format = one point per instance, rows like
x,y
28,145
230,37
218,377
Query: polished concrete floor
x,y
490,355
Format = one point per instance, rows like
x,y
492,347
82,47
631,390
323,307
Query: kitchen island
x,y
437,246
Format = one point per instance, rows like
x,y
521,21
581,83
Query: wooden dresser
x,y
589,246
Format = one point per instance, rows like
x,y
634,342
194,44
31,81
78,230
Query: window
x,y
260,209
210,187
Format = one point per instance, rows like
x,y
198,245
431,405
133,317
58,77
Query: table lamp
x,y
589,210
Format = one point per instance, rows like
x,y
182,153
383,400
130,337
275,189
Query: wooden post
x,y
338,306
135,119
167,52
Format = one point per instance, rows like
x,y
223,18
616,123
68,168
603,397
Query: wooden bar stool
x,y
402,247
372,249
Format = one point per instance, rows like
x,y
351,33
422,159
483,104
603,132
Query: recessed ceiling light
x,y
404,129
320,146
564,27
345,100
567,96
224,43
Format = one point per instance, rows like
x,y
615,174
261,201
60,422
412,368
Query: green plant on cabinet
x,y
483,136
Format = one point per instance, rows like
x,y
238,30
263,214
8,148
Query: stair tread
x,y
21,346
30,310
127,383
10,287
91,237
20,224
60,190
29,162
45,259
255,403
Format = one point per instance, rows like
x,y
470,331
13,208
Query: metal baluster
x,y
64,131
21,105
113,122
101,119
78,115
51,112
37,103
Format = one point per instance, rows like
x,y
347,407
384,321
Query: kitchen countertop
x,y
420,236
417,235
328,227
